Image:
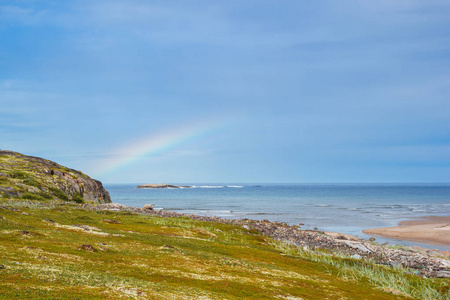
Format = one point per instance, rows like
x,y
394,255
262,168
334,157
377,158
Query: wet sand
x,y
431,230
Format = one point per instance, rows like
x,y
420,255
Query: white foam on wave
x,y
208,212
235,186
208,186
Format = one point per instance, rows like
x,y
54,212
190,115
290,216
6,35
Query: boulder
x,y
148,207
87,247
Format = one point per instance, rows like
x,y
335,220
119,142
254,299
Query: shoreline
x,y
416,260
334,234
412,260
431,230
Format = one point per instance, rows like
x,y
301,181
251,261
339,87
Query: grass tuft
x,y
396,281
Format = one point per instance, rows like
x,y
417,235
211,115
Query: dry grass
x,y
144,257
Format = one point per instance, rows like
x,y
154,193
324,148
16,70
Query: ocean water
x,y
345,208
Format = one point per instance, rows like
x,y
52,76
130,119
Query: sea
x,y
344,208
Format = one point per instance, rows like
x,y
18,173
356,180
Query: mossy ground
x,y
148,257
25,178
33,178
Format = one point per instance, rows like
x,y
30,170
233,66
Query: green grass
x,y
18,175
39,197
149,257
31,182
382,277
59,194
28,177
78,198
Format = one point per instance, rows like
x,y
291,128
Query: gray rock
x,y
6,189
148,207
87,247
358,246
395,264
443,274
445,263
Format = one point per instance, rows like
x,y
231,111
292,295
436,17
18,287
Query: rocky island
x,y
35,178
162,186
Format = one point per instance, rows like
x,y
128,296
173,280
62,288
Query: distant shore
x,y
431,230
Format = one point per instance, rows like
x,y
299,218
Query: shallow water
x,y
345,208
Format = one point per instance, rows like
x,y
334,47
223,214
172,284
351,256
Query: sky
x,y
142,91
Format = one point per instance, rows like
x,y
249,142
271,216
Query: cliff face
x,y
34,178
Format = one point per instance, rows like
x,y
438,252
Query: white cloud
x,y
10,14
400,11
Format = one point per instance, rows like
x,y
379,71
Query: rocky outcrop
x,y
35,178
162,186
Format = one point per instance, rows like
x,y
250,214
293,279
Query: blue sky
x,y
229,91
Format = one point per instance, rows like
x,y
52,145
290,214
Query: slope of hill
x,y
34,178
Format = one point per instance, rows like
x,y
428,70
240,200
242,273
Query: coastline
x,y
90,250
414,260
431,230
342,208
421,261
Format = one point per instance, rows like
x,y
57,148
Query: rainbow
x,y
156,143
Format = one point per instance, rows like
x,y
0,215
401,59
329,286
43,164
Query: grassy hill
x,y
63,251
35,178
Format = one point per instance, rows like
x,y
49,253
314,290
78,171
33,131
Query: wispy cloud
x,y
310,78
12,14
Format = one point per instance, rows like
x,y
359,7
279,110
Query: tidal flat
x,y
66,250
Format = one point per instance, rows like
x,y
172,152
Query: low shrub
x,y
78,198
59,193
31,181
31,196
18,175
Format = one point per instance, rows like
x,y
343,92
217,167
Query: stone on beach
x,y
148,207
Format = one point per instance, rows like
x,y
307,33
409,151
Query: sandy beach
x,y
431,230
